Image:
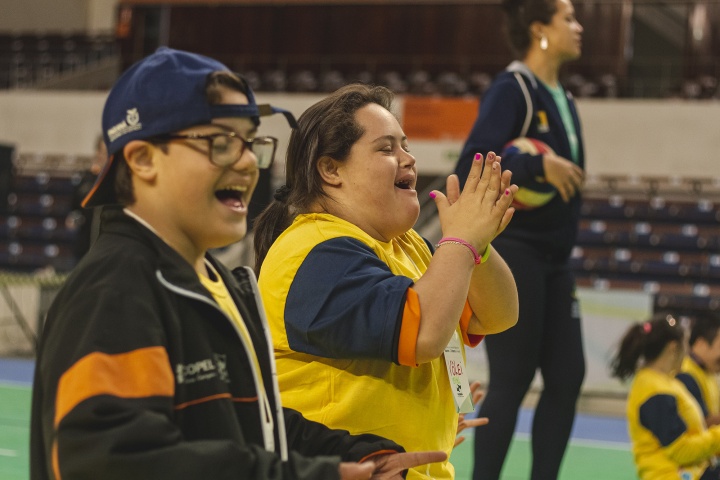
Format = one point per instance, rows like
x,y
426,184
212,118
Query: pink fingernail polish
x,y
478,156
432,195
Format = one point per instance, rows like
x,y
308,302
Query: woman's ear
x,y
139,156
536,30
328,168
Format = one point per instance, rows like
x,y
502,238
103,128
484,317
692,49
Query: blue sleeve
x,y
500,119
694,389
344,302
659,414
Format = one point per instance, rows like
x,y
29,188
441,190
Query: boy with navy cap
x,y
154,361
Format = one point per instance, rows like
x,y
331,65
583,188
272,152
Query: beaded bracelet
x,y
459,241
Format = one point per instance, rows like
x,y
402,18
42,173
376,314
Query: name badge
x,y
458,376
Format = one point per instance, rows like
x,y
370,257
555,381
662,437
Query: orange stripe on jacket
x,y
145,372
409,330
216,397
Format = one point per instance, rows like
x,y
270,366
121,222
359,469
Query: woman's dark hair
x,y
326,129
645,340
520,14
123,183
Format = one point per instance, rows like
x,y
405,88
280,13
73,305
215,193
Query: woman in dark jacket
x,y
527,100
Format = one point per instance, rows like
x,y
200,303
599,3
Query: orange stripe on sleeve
x,y
469,339
374,454
145,372
409,330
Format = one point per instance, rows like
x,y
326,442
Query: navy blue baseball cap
x,y
163,93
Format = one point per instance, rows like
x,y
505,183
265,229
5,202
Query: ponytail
x,y
269,225
624,364
645,340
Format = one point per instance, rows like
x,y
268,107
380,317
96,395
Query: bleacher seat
x,y
29,58
652,233
393,80
274,81
44,183
479,82
419,82
331,81
38,204
303,81
37,230
451,84
362,76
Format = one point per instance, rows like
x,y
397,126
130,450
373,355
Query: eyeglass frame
x,y
210,139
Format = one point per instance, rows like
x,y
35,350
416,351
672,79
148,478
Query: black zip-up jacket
x,y
140,375
552,229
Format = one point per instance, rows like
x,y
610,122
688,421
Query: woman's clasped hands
x,y
482,210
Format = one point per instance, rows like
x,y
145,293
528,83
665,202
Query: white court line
x,y
4,452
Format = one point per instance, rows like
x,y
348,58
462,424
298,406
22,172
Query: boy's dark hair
x,y
705,326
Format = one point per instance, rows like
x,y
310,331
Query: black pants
x,y
711,473
546,337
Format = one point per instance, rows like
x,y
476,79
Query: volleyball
x,y
539,193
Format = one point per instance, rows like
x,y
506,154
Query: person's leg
x,y
562,364
513,360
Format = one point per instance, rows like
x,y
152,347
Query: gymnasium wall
x,y
653,137
58,16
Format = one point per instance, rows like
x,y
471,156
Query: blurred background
x,y
646,87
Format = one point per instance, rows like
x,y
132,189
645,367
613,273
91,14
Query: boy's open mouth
x,y
232,196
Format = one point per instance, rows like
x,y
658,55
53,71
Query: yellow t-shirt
x,y
344,319
705,382
220,293
667,429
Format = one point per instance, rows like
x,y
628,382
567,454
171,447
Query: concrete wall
x,y
93,16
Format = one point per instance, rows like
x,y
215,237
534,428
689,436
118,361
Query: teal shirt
x,y
558,94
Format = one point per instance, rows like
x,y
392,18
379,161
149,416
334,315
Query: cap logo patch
x,y
130,124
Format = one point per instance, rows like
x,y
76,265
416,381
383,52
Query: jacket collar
x,y
520,67
173,267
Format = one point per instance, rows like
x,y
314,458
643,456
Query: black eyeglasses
x,y
225,148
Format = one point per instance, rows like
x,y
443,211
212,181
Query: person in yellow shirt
x,y
369,320
702,364
666,424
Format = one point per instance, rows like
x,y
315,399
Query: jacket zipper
x,y
264,403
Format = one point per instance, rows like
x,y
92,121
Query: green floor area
x,y
14,432
582,461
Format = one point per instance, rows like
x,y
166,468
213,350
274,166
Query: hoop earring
x,y
543,43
